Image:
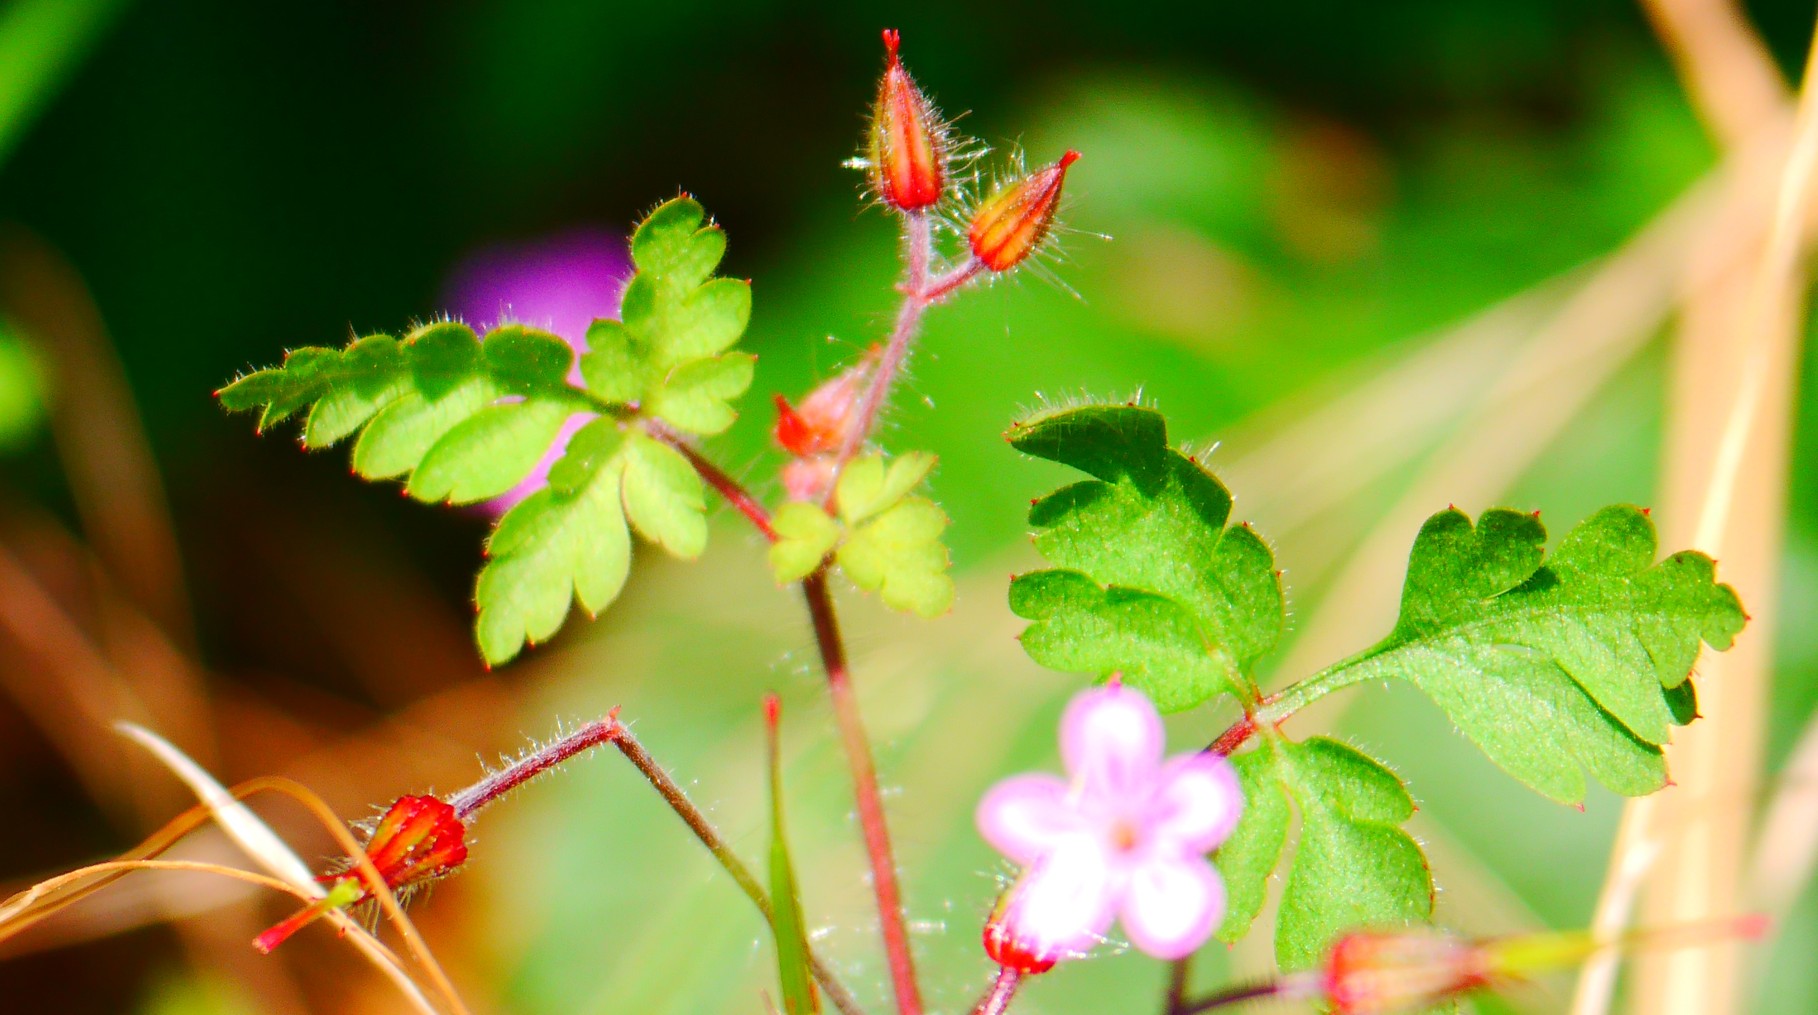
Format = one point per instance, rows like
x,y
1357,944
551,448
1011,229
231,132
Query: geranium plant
x,y
1559,662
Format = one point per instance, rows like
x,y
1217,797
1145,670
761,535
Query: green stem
x,y
1277,708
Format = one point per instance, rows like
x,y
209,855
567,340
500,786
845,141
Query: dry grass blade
x,y
240,823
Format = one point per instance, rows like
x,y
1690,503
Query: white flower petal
x,y
1024,816
1196,804
1066,901
1112,742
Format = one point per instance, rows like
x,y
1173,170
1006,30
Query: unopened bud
x,y
1014,221
1014,950
418,839
1379,973
907,156
820,424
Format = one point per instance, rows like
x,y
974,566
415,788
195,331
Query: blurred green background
x,y
1303,196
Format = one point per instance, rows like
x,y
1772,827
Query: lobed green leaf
x,y
1558,666
668,352
1352,866
1148,580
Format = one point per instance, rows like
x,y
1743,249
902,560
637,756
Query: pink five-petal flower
x,y
1123,838
562,284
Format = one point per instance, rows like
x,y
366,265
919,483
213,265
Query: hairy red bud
x,y
1014,221
818,425
907,156
418,839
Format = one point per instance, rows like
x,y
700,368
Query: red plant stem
x,y
870,802
1233,738
1238,995
729,861
468,802
1174,996
919,293
723,484
1003,989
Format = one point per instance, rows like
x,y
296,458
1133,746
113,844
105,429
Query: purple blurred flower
x,y
561,283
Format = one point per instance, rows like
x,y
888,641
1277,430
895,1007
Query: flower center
x,y
1124,835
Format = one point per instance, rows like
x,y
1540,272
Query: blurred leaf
x,y
1556,667
22,389
805,535
899,555
786,923
1150,582
867,487
1353,866
41,41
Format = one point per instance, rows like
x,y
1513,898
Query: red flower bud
x,y
1375,973
819,424
1011,952
418,839
907,157
1014,221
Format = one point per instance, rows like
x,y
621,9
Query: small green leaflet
x,y
1147,579
1353,866
1555,665
787,926
461,420
885,540
668,352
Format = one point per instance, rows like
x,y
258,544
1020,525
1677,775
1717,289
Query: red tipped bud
x,y
1379,973
814,431
1013,222
418,839
1014,951
907,157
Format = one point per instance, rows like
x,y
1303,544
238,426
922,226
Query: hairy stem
x,y
1003,990
468,802
920,291
729,861
870,801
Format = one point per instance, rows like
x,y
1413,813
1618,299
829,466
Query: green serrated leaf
x,y
550,548
667,354
899,555
1554,666
400,435
664,497
588,451
1149,531
805,535
488,453
868,487
527,362
1352,865
464,419
676,242
697,396
1148,638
